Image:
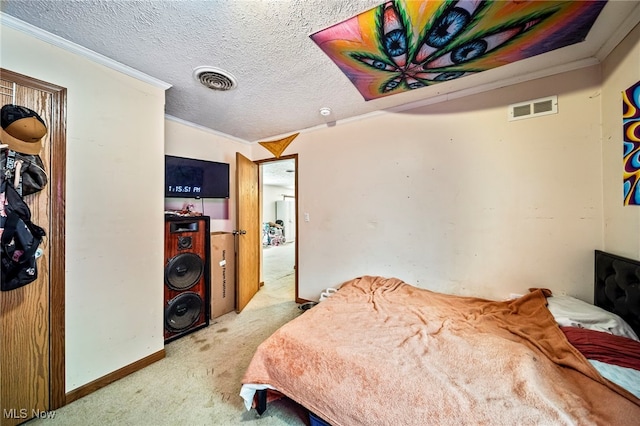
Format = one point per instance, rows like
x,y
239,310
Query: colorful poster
x,y
403,45
631,152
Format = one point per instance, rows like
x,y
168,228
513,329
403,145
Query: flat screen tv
x,y
191,178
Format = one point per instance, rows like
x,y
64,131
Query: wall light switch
x,y
306,217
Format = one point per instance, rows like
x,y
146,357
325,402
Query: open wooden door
x,y
248,233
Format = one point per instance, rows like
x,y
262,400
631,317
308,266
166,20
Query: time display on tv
x,y
193,178
184,189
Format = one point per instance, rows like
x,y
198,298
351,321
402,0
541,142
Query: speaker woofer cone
x,y
183,271
183,311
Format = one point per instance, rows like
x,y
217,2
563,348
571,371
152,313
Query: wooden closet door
x,y
25,313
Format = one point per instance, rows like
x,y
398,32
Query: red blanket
x,y
382,352
604,347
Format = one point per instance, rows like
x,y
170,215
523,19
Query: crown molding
x,y
619,34
510,81
26,28
205,129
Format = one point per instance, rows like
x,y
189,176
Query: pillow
x,y
571,312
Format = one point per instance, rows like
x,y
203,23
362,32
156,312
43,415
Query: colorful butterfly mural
x,y
405,45
631,155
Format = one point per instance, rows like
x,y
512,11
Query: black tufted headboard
x,y
617,287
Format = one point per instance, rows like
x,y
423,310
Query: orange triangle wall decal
x,y
278,147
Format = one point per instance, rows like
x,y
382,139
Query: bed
x,y
380,351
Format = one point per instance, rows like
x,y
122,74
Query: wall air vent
x,y
534,108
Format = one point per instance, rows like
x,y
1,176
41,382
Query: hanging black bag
x,y
19,240
32,176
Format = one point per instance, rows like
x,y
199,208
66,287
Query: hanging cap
x,y
22,129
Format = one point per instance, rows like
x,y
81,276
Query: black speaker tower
x,y
187,275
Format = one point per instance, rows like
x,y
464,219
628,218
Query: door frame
x,y
293,157
57,183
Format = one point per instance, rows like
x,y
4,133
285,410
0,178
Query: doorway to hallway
x,y
279,228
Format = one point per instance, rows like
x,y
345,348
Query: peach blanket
x,y
382,352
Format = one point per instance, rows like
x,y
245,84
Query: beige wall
x,y
114,216
271,194
184,140
620,71
454,198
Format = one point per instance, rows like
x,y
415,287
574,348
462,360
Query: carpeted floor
x,y
199,380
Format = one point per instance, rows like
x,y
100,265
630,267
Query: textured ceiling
x,y
283,77
279,173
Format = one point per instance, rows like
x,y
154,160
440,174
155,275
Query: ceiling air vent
x,y
534,108
215,78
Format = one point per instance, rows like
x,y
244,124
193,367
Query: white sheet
x,y
248,391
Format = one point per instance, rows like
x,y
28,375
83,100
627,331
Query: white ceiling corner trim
x,y
71,47
619,34
205,129
474,90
